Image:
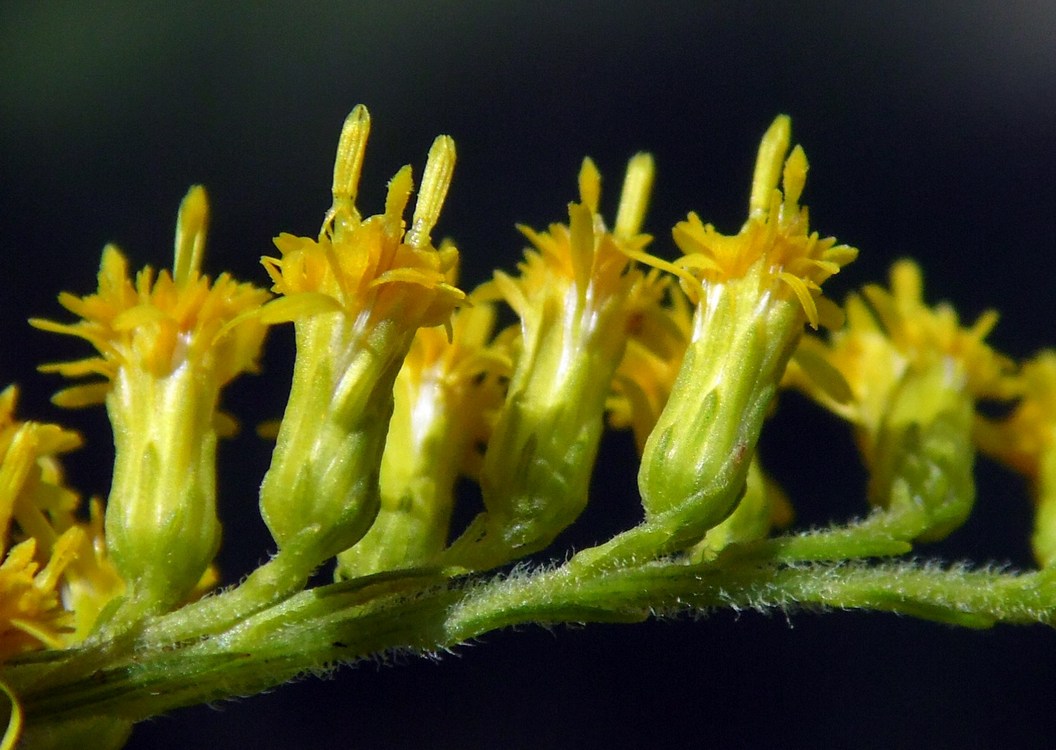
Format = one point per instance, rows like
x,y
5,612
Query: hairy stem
x,y
138,675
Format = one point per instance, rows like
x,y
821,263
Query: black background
x,y
930,131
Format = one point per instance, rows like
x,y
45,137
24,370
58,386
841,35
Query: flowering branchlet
x,y
357,295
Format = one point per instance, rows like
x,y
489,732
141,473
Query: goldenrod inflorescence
x,y
402,383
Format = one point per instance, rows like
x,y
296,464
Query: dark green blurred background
x,y
931,131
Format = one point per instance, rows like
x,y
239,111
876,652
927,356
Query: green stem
x,y
139,676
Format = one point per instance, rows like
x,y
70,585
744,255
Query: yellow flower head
x,y
752,292
573,296
159,323
889,334
357,295
907,376
167,345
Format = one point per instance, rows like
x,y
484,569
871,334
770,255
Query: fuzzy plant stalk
x,y
403,385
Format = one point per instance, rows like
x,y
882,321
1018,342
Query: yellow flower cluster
x,y
161,323
775,250
908,376
888,335
56,576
